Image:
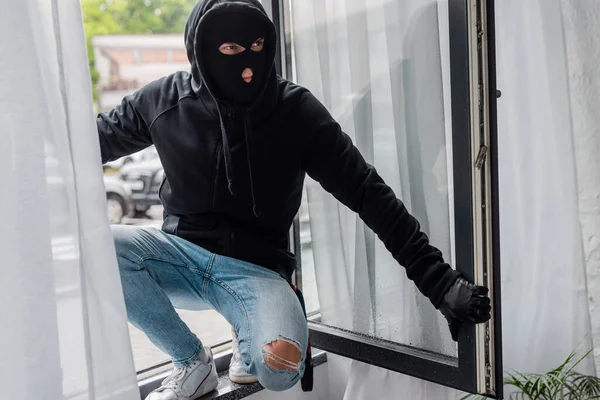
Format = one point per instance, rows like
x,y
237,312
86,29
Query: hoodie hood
x,y
201,15
198,23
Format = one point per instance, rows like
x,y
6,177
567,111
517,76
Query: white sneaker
x,y
189,383
237,373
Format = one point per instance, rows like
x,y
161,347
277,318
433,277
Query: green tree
x,y
104,17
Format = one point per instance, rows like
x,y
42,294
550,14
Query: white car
x,y
118,199
145,179
143,155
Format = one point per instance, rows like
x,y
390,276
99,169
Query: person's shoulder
x,y
289,90
163,94
171,88
306,111
299,97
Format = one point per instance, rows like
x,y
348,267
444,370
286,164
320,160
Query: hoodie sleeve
x,y
333,161
124,130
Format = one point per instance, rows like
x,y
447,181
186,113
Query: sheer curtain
x,y
581,26
381,67
549,141
64,331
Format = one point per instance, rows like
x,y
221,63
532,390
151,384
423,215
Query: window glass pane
x,y
132,43
382,69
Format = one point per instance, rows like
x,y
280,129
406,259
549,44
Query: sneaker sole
x,y
243,379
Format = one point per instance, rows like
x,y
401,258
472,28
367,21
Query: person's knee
x,y
282,360
282,355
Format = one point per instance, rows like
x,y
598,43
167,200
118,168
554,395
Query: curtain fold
x,y
582,28
64,323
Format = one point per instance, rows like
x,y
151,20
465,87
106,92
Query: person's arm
x,y
333,161
125,129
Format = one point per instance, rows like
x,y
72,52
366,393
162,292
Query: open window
x,y
413,84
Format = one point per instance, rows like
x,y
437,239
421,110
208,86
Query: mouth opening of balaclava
x,y
224,72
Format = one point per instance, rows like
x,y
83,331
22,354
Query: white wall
x,y
148,72
143,73
102,65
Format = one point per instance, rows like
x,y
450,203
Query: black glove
x,y
465,302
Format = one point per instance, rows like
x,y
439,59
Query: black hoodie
x,y
234,176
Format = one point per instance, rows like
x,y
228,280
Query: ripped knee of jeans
x,y
283,355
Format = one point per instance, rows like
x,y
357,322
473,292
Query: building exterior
x,y
128,62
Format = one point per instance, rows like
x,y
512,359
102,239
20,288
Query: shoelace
x,y
172,381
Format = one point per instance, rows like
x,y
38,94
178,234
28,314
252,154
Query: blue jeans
x,y
160,272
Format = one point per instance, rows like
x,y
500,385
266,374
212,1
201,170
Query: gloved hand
x,y
465,302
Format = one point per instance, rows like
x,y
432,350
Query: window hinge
x,y
481,157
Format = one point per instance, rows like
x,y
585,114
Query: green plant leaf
x,y
583,387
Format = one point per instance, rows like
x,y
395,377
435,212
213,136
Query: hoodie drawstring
x,y
229,164
226,152
255,208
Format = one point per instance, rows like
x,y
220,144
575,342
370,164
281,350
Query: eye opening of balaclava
x,y
223,72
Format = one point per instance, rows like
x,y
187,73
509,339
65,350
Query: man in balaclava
x,y
234,60
236,142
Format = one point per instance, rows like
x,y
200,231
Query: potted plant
x,y
561,383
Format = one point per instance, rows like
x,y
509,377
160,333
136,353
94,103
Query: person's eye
x,y
258,44
231,48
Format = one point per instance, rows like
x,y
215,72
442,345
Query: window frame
x,y
477,345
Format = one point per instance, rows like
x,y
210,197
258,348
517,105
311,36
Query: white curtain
x,y
64,332
382,69
549,131
581,27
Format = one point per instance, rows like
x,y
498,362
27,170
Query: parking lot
x,y
153,218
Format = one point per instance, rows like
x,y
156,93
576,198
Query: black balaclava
x,y
224,72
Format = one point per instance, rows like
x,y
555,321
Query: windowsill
x,y
226,390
